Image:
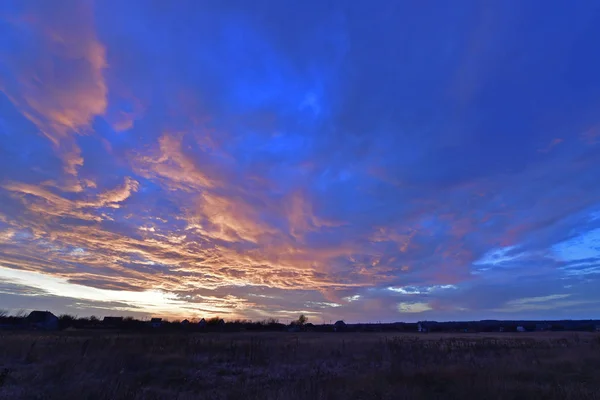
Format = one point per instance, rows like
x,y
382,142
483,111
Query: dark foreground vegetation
x,y
290,366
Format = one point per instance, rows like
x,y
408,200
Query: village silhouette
x,y
47,321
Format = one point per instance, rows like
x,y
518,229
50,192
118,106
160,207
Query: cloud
x,y
112,198
270,171
581,247
592,135
412,290
417,307
174,166
45,202
301,218
553,143
549,302
228,219
55,76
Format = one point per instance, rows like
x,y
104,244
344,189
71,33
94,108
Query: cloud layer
x,y
339,160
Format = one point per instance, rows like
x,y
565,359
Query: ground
x,y
290,366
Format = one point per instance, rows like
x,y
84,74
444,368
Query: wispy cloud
x,y
417,307
550,302
56,76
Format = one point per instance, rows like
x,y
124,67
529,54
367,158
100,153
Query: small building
x,y
185,322
501,329
43,320
112,322
520,329
339,326
202,323
597,328
156,322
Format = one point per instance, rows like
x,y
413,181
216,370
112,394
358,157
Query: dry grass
x,y
299,366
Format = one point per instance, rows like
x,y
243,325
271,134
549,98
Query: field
x,y
299,366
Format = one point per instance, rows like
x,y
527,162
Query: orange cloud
x,y
59,86
173,166
191,262
112,198
43,201
301,218
384,234
227,219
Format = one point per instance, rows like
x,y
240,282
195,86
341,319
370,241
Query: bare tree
x,y
302,319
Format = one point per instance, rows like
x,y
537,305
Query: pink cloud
x,y
592,135
59,84
553,143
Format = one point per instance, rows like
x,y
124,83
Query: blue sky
x,y
369,161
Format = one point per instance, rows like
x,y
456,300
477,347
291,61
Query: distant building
x,y
43,320
339,326
597,328
156,322
520,329
185,322
501,329
202,323
112,322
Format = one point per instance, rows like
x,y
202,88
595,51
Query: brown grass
x,y
299,366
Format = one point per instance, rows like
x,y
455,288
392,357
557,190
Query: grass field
x,y
290,366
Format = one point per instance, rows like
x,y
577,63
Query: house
x,y
501,329
339,326
43,320
520,329
597,328
202,323
156,322
216,322
112,322
185,322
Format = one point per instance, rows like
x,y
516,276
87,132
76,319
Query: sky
x,y
366,160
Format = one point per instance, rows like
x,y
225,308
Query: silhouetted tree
x,y
215,321
66,321
302,319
